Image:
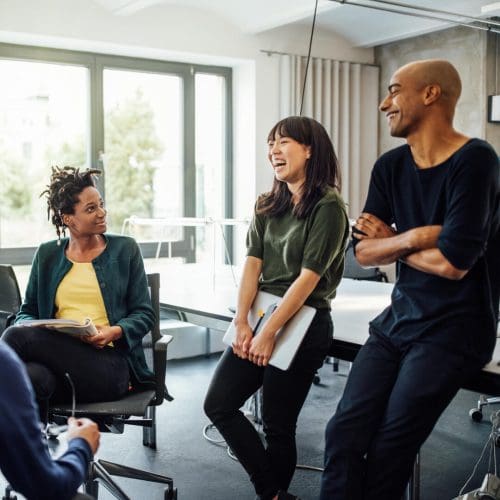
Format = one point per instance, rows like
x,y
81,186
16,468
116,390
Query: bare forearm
x,y
381,251
432,261
386,250
248,288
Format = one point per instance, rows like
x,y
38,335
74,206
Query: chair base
x,y
476,414
9,493
100,471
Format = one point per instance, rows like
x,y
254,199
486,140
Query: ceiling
x,y
363,27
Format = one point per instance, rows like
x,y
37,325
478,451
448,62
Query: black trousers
x,y
390,405
97,374
270,467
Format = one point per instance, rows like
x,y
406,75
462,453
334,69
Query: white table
x,y
356,304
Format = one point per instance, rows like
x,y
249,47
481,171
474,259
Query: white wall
x,y
184,34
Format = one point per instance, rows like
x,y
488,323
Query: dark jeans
x,y
390,405
283,393
97,374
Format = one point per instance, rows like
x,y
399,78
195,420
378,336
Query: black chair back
x,y
155,358
10,296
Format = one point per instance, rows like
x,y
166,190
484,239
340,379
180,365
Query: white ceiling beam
x,y
287,16
127,7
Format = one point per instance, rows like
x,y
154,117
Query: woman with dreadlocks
x,y
88,274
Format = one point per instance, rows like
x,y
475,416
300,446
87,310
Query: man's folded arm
x,y
433,261
379,244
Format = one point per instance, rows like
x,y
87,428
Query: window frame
x,y
96,63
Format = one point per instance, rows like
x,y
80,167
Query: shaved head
x,y
421,95
435,71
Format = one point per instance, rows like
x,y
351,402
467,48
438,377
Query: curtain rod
x,y
489,25
279,53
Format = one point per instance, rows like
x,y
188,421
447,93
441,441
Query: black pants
x,y
97,374
390,405
270,468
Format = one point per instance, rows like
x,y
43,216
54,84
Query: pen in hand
x,y
260,314
263,317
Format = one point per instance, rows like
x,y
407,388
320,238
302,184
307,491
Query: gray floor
x,y
203,471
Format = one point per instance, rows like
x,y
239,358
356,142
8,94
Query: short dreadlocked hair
x,y
62,193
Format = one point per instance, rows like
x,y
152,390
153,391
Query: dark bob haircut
x,y
322,169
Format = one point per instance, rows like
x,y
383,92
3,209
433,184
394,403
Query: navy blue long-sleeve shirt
x,y
24,458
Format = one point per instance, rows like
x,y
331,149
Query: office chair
x,y
136,408
486,386
353,270
10,296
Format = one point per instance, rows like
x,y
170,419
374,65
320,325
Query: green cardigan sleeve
x,y
29,307
140,315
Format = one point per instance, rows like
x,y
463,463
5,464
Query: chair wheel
x,y
476,415
316,379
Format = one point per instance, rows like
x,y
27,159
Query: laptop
x,y
288,338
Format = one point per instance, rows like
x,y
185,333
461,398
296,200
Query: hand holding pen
x,y
261,348
84,428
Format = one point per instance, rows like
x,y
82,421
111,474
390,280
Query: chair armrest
x,y
162,343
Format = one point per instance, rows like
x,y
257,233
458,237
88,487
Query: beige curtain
x,y
343,96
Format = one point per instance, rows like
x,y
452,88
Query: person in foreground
x,y
295,249
88,275
432,207
24,460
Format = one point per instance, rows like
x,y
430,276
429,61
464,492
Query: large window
x,y
143,144
160,131
43,122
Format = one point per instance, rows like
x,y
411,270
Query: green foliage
x,y
15,191
132,149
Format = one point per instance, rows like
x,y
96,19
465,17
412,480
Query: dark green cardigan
x,y
122,280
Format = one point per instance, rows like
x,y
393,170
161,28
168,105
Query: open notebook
x,y
288,338
72,327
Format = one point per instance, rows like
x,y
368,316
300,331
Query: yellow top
x,y
79,296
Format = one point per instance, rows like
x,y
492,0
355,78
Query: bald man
x,y
433,208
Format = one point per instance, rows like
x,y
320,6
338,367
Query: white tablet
x,y
288,338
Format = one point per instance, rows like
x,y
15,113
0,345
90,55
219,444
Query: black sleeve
x,y
378,202
472,199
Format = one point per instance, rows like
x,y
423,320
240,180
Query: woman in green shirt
x,y
295,249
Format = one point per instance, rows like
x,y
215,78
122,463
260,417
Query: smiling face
x,y
404,103
89,215
288,159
